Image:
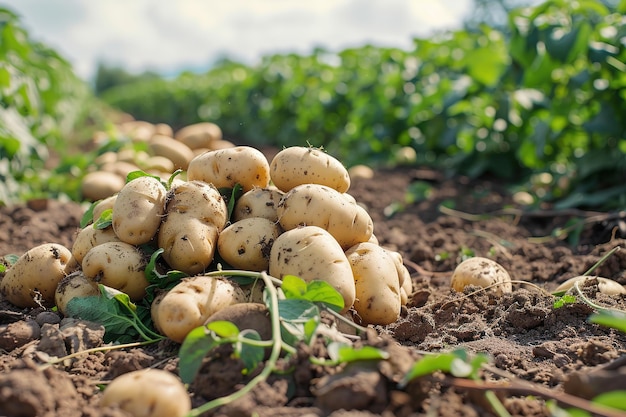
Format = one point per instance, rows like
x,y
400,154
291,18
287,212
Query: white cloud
x,y
165,35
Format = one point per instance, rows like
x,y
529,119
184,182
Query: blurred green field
x,y
543,95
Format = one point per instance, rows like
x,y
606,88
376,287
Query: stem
x,y
602,260
271,362
243,273
496,404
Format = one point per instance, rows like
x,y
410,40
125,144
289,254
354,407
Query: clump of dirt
x,y
526,339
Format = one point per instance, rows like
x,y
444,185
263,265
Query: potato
x,y
104,205
481,272
118,265
311,253
191,302
246,244
90,237
120,168
377,284
199,135
137,130
221,144
147,393
605,285
253,316
298,165
174,150
72,286
100,184
241,165
163,129
258,202
158,163
138,210
105,158
195,215
33,279
406,283
319,205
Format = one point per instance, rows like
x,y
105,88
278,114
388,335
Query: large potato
x,y
298,165
241,165
482,272
319,205
118,265
34,277
246,244
191,302
258,202
147,393
311,253
174,150
199,135
89,237
195,215
100,184
138,210
378,298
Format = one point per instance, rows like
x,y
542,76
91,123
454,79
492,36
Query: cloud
x,y
167,36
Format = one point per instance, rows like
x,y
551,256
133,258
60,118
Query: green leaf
x,y
610,318
614,399
105,220
138,174
344,353
195,347
565,299
295,317
428,365
88,215
315,291
250,355
223,328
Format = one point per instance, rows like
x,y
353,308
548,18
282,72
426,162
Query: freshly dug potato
x,y
148,393
138,210
605,285
298,165
195,215
72,286
378,298
258,202
158,163
319,205
199,135
118,265
243,165
246,244
90,237
311,253
34,277
406,283
191,302
120,168
174,150
103,205
481,272
100,184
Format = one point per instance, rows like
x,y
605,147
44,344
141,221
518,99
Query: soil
x,y
539,357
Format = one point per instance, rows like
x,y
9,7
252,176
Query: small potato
x,y
137,130
163,129
120,168
378,299
33,279
138,210
246,244
72,286
311,253
147,393
199,135
90,237
258,202
103,205
241,165
191,302
319,205
174,150
298,165
100,184
195,215
117,265
361,172
605,285
481,272
158,163
221,144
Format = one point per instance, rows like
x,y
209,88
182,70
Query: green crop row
x,y
547,95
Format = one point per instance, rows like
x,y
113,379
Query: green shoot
x,y
88,215
105,220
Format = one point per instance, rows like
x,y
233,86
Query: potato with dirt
x,y
322,206
117,265
481,272
191,302
195,215
147,393
138,210
246,244
378,296
89,237
224,168
258,202
605,285
311,253
74,285
33,279
298,165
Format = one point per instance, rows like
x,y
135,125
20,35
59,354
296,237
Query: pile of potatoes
x,y
293,217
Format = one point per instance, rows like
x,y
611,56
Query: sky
x,y
167,36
